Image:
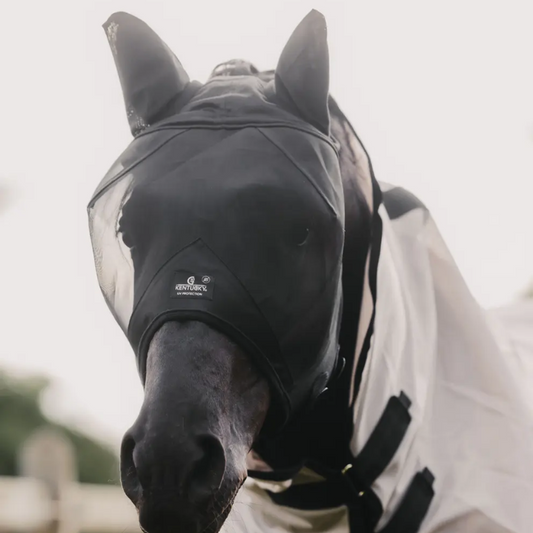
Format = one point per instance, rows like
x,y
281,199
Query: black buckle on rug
x,y
364,506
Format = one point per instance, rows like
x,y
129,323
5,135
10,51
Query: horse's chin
x,y
164,511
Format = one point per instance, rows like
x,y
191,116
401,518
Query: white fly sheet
x,y
469,376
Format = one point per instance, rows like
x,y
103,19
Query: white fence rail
x,y
48,499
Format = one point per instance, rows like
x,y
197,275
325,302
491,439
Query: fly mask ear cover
x,y
230,212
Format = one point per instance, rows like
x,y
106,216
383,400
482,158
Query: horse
x,y
307,346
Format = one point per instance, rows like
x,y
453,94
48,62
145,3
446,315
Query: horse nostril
x,y
128,470
194,469
207,472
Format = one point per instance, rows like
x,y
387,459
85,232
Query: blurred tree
x,y
20,415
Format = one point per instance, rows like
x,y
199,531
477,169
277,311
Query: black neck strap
x,y
351,486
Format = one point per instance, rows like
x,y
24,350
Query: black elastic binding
x,y
414,506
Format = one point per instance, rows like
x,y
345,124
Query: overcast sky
x,y
440,93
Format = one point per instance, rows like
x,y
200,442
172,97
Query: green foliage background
x,y
21,415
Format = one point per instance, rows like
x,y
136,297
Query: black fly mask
x,y
227,208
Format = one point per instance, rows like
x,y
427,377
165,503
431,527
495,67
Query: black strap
x,y
364,506
414,506
383,442
399,202
351,487
365,509
280,474
312,496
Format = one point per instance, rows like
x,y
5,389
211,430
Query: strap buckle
x,y
344,471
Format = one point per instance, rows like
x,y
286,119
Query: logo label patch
x,y
188,285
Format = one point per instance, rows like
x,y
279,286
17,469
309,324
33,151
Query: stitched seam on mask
x,y
307,177
131,167
177,312
281,358
229,270
229,126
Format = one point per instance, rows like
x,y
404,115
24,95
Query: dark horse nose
x,y
170,477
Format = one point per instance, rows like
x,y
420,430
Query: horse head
x,y
218,238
